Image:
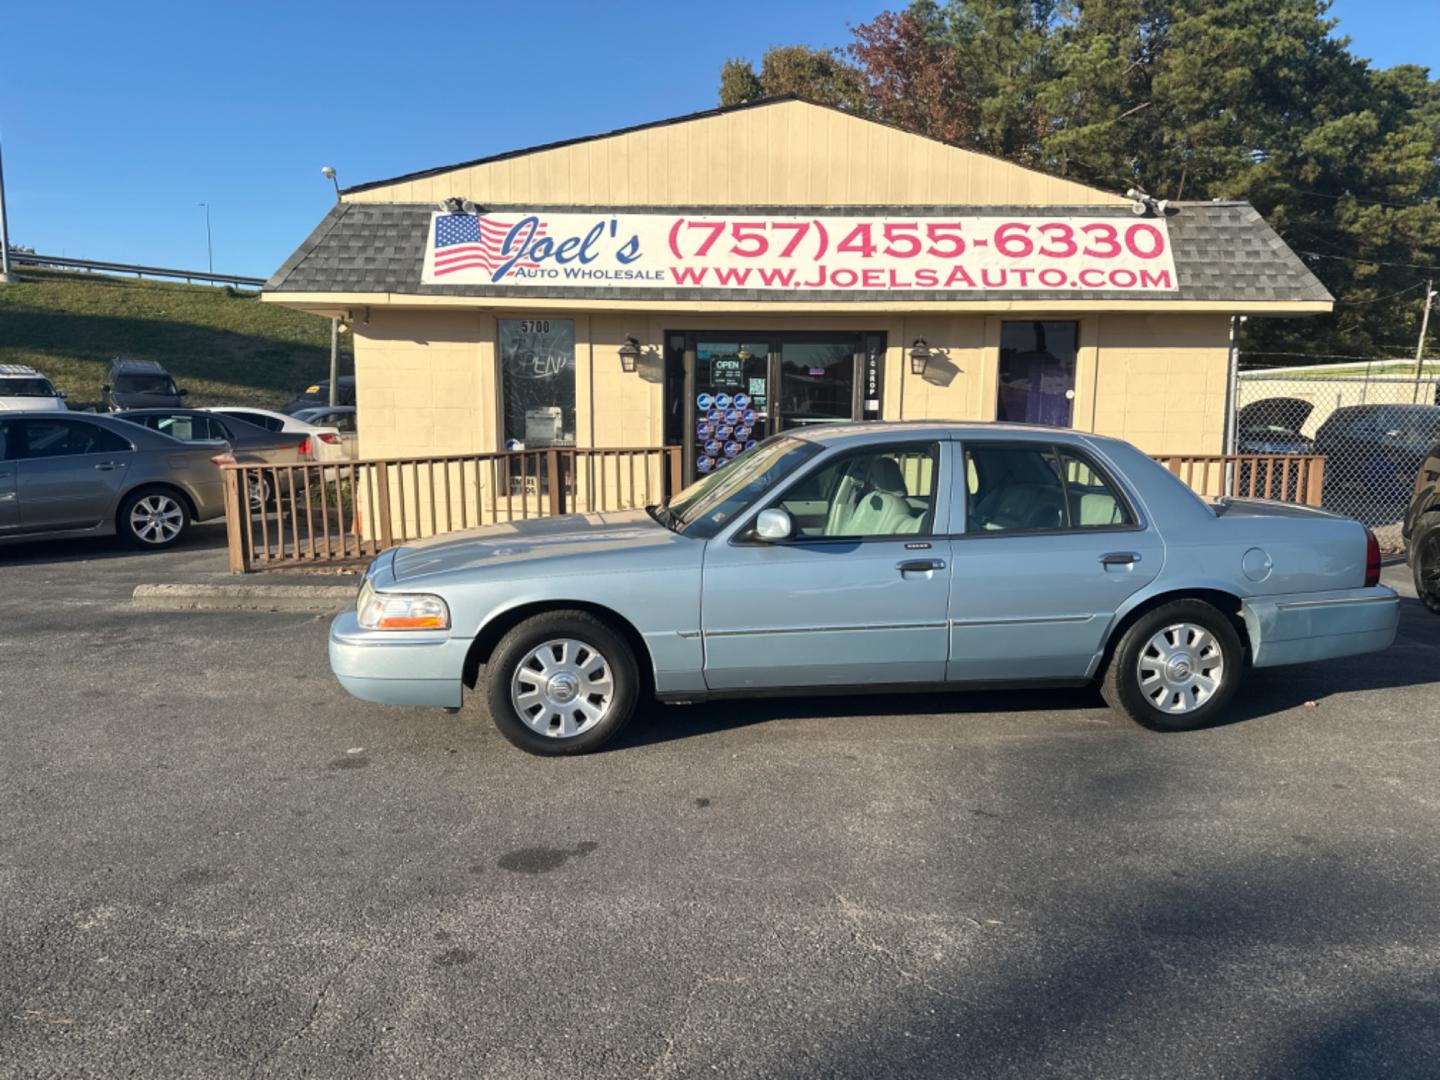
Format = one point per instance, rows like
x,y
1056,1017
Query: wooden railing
x,y
281,516
332,514
1297,478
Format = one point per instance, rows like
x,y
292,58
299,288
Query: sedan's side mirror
x,y
182,391
773,525
105,388
61,394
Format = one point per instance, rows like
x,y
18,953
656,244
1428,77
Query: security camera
x,y
1162,207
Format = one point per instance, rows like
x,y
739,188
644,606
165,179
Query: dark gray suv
x,y
68,474
139,384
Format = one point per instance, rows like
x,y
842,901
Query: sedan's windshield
x,y
711,503
25,387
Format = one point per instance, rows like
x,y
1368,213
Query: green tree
x,y
1187,99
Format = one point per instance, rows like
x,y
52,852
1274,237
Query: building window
x,y
537,379
1037,372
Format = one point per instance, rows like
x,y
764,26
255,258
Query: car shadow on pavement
x,y
209,536
663,723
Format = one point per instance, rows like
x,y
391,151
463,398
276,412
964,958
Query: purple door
x,y
1037,372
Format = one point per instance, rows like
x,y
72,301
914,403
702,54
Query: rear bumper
x,y
395,668
1300,627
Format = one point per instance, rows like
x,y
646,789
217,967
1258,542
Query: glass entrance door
x,y
1037,372
741,387
730,401
817,382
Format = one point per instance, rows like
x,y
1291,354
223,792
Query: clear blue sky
x,y
119,118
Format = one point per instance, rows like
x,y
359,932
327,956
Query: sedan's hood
x,y
1277,412
591,536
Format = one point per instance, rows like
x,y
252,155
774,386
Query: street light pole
x,y
4,232
209,248
328,171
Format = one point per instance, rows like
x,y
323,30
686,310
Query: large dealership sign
x,y
782,253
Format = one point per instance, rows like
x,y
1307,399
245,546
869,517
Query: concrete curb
x,y
320,599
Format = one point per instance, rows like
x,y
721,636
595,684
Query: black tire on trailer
x,y
1424,559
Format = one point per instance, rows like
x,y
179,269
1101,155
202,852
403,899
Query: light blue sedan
x,y
870,557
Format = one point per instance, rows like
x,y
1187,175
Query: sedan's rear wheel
x,y
152,519
1425,559
1176,667
561,682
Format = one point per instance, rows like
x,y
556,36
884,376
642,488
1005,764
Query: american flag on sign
x,y
474,242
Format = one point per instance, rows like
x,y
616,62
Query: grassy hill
x,y
225,346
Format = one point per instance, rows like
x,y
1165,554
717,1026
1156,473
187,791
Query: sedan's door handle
x,y
916,566
106,466
1120,558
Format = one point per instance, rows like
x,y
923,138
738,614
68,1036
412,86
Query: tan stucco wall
x,y
786,153
427,380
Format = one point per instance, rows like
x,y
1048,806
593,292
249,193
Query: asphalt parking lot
x,y
215,864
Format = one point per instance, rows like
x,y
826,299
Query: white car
x,y
22,387
327,441
341,418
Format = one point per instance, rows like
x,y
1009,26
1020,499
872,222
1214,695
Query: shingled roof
x,y
1224,251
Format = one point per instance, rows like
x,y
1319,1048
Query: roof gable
x,y
777,152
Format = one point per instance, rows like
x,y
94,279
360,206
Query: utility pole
x,y
334,358
5,275
1420,345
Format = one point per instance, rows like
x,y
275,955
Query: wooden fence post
x,y
676,471
1315,482
234,533
382,496
556,482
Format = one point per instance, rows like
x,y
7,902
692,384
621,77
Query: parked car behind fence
x,y
1373,432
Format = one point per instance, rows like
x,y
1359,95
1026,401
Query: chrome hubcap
x,y
1180,668
259,492
156,519
562,688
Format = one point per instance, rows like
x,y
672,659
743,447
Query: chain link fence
x,y
1374,431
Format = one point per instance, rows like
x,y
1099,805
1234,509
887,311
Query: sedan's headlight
x,y
401,611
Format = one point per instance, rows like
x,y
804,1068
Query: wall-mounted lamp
x,y
744,355
919,357
629,354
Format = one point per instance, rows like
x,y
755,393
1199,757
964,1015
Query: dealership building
x,y
709,280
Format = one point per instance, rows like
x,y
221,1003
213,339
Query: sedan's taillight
x,y
1372,559
328,438
304,448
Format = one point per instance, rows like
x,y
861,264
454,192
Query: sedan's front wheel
x,y
561,682
1176,668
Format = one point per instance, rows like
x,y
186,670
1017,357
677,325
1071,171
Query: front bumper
x,y
1300,627
396,667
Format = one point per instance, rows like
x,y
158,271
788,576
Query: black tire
x,y
1121,683
158,507
1424,559
520,645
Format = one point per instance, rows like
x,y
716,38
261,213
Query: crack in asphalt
x,y
309,1022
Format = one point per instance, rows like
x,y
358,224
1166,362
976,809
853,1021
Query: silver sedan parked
x,y
870,557
74,474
